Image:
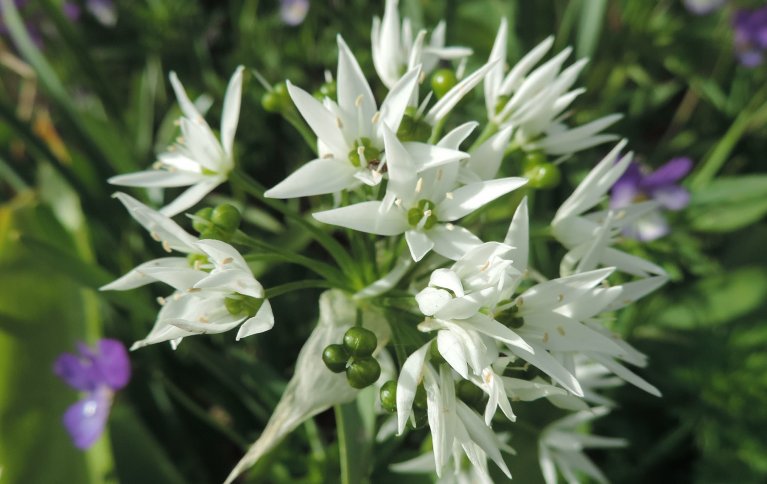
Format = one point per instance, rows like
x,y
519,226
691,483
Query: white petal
x,y
191,196
518,237
402,170
459,308
486,160
187,107
431,299
632,291
158,225
458,135
428,156
442,107
395,103
262,321
222,254
410,377
549,295
549,365
521,68
323,122
366,217
451,349
447,279
494,78
180,278
156,178
204,328
139,277
486,325
470,197
230,115
452,241
317,177
353,88
482,435
419,244
625,374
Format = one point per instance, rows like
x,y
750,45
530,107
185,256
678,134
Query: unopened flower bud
x,y
226,217
442,81
388,395
363,372
359,341
335,357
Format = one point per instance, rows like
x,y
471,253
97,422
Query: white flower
x,y
533,100
561,447
162,229
423,206
211,302
198,159
350,133
589,236
394,50
455,428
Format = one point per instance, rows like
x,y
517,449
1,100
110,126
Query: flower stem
x,y
490,129
275,291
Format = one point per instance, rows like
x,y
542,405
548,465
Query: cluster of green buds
x,y
328,89
541,173
355,357
217,223
277,99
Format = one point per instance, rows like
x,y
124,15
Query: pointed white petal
x,y
452,241
458,135
230,116
409,378
395,103
470,197
419,244
317,177
187,107
428,156
486,325
399,161
518,237
625,374
431,299
447,279
158,225
262,321
494,78
451,349
323,122
191,196
486,160
353,89
139,277
156,178
366,217
442,107
541,359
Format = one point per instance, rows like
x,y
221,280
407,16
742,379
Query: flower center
x,y
422,215
363,153
237,305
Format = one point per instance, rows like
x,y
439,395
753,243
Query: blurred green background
x,y
90,100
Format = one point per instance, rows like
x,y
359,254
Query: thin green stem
x,y
276,291
490,129
307,134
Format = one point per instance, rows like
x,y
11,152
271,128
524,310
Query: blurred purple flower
x,y
293,12
750,30
702,7
99,372
661,186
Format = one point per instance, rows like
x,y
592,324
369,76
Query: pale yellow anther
x,y
197,264
193,289
398,202
180,140
226,261
358,101
449,226
339,123
419,185
520,302
561,297
449,195
157,165
155,236
166,246
421,77
561,330
376,117
161,301
427,213
203,319
361,153
546,337
485,266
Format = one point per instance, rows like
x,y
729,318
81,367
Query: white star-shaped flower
x,y
198,158
533,100
423,206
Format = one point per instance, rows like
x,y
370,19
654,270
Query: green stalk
x,y
490,129
276,291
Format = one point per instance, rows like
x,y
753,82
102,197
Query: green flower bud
x,y
369,152
363,372
359,341
442,81
470,393
328,89
201,222
533,159
277,99
335,358
388,395
226,217
543,176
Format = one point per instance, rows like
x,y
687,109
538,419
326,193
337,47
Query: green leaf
x,y
590,27
716,300
728,204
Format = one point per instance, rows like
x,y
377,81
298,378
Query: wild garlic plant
x,y
429,306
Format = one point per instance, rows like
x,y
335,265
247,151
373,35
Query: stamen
x,y
449,226
546,337
358,101
193,289
155,236
339,123
180,140
157,165
419,185
203,319
449,195
421,77
561,298
228,260
161,301
561,330
197,264
485,266
398,202
166,246
376,117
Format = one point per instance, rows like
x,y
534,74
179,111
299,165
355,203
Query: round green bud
x,y
335,358
277,99
533,159
226,217
388,395
359,341
420,398
328,89
442,81
468,392
543,176
363,372
201,222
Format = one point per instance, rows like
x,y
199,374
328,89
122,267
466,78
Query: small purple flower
x,y
99,372
293,12
661,186
750,30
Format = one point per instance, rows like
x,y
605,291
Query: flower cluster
x,y
416,188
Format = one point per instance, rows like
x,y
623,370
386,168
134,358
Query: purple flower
x,y
750,30
661,186
99,372
293,12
